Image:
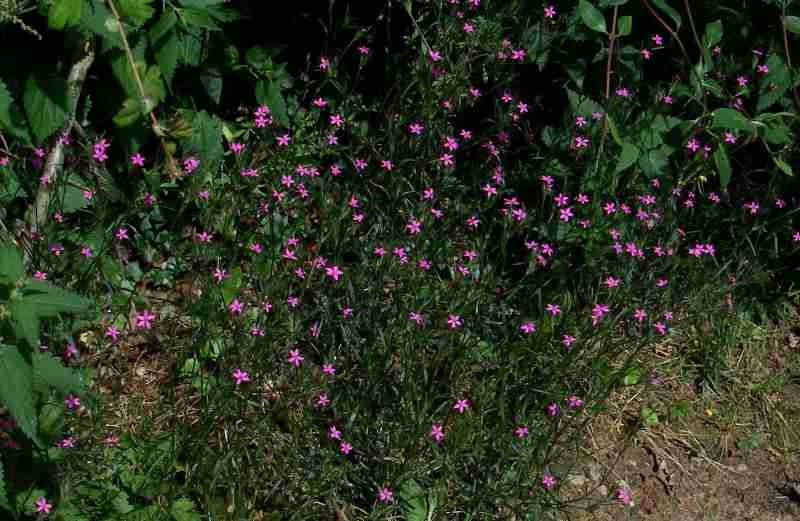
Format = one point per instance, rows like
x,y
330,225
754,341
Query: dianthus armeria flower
x,y
639,315
550,12
623,495
345,448
295,358
72,402
99,150
461,406
414,227
137,160
454,321
553,309
322,400
548,481
42,506
416,318
334,272
553,409
240,376
437,433
385,495
521,431
527,328
144,320
574,402
112,332
568,340
329,369
219,275
598,312
334,433
235,307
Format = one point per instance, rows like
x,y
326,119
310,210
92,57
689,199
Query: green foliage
x,y
46,105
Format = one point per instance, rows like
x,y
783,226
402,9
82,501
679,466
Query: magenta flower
x,y
144,320
121,234
334,433
72,402
345,448
527,327
235,307
323,400
437,433
42,506
461,406
294,357
548,481
240,376
521,431
112,332
454,321
334,272
553,309
137,160
553,409
623,495
549,12
385,495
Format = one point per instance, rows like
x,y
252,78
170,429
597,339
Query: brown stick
x,y
694,29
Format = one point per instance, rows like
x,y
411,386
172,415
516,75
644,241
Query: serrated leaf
x,y
183,510
45,105
672,13
592,17
269,93
135,11
713,34
25,322
49,300
16,390
779,77
199,18
121,67
628,157
212,81
11,118
190,50
723,164
153,88
167,54
163,26
96,18
206,139
64,13
731,119
51,422
73,196
49,371
11,266
792,24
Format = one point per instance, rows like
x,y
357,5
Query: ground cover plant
x,y
393,292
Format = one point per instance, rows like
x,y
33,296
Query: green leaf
x,y
633,375
649,417
792,24
16,390
625,25
73,196
51,422
783,166
49,300
212,81
613,128
183,510
672,13
593,18
628,157
49,371
64,13
167,54
97,19
135,11
123,72
163,26
190,50
25,322
713,34
206,139
199,18
45,102
269,93
412,501
11,266
128,114
3,495
723,166
731,119
772,86
231,285
11,118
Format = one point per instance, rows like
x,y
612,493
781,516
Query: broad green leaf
x,y
164,25
269,93
49,300
614,132
135,11
190,50
776,134
11,266
51,422
412,501
45,102
723,166
593,18
49,371
120,66
167,54
64,13
212,81
183,510
772,86
792,24
633,375
73,196
11,118
672,13
649,417
199,18
128,114
731,119
25,322
625,25
713,34
16,390
206,139
153,88
96,18
628,157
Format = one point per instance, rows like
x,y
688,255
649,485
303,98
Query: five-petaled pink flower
x,y
235,307
385,495
144,320
548,481
461,406
454,321
240,376
550,11
437,433
334,272
42,506
294,357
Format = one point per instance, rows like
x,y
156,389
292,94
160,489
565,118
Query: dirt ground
x,y
735,457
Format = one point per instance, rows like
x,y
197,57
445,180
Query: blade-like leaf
x,y
25,322
723,166
731,119
48,300
628,157
3,495
269,93
672,13
45,105
16,391
593,18
792,23
51,372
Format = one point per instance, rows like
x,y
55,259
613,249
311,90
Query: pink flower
x,y
437,433
454,321
549,12
553,409
527,328
657,40
548,481
72,402
574,402
121,234
334,433
693,145
623,495
567,340
329,369
385,495
99,150
144,320
137,160
345,448
294,357
42,506
323,400
112,332
235,307
553,309
461,406
334,272
639,315
521,431
240,376
434,55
